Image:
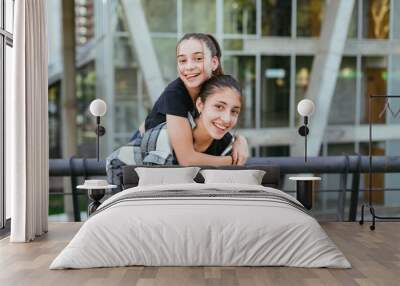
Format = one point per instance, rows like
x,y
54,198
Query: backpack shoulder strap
x,y
149,141
191,121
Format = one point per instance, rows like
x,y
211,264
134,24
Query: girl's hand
x,y
240,151
181,137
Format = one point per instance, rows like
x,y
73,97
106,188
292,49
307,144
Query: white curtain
x,y
27,124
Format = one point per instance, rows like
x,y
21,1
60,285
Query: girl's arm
x,y
180,135
240,150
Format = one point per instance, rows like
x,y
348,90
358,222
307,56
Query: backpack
x,y
151,148
124,155
155,148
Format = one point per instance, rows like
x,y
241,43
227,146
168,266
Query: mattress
x,y
201,225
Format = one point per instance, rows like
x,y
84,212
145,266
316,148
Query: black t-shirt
x,y
176,100
218,146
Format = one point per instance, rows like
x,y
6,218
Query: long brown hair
x,y
212,45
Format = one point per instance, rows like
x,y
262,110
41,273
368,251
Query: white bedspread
x,y
200,230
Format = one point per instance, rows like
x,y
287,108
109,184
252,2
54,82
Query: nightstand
x,y
95,193
305,187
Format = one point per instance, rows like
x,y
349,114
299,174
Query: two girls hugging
x,y
190,122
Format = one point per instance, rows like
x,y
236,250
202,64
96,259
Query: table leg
x,y
304,190
95,195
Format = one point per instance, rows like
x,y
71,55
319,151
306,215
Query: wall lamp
x,y
98,108
305,108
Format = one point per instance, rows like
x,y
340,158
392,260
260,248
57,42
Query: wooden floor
x,y
374,255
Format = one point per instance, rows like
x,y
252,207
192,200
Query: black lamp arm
x,y
303,131
100,131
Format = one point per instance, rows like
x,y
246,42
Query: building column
x,y
68,96
324,72
104,17
144,49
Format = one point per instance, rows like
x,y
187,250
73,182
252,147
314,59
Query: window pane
x,y
9,15
198,16
85,93
54,112
343,106
274,151
233,45
338,149
333,182
243,68
374,82
392,180
126,104
303,74
309,17
377,179
123,52
131,103
275,90
240,17
276,18
166,54
353,26
396,20
121,24
8,90
2,135
161,15
126,82
376,19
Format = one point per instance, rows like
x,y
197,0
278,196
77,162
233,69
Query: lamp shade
x,y
305,107
98,107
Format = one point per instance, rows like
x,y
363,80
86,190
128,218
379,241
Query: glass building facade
x,y
268,45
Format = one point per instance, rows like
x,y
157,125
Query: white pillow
x,y
164,176
248,177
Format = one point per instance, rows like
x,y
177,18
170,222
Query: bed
x,y
198,224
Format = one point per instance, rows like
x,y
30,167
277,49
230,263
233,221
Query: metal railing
x,y
345,165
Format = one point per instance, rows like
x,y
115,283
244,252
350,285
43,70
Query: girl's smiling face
x,y
220,112
194,63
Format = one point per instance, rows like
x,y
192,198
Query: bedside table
x,y
305,187
95,193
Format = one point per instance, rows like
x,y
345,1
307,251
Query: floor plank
x,y
374,255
